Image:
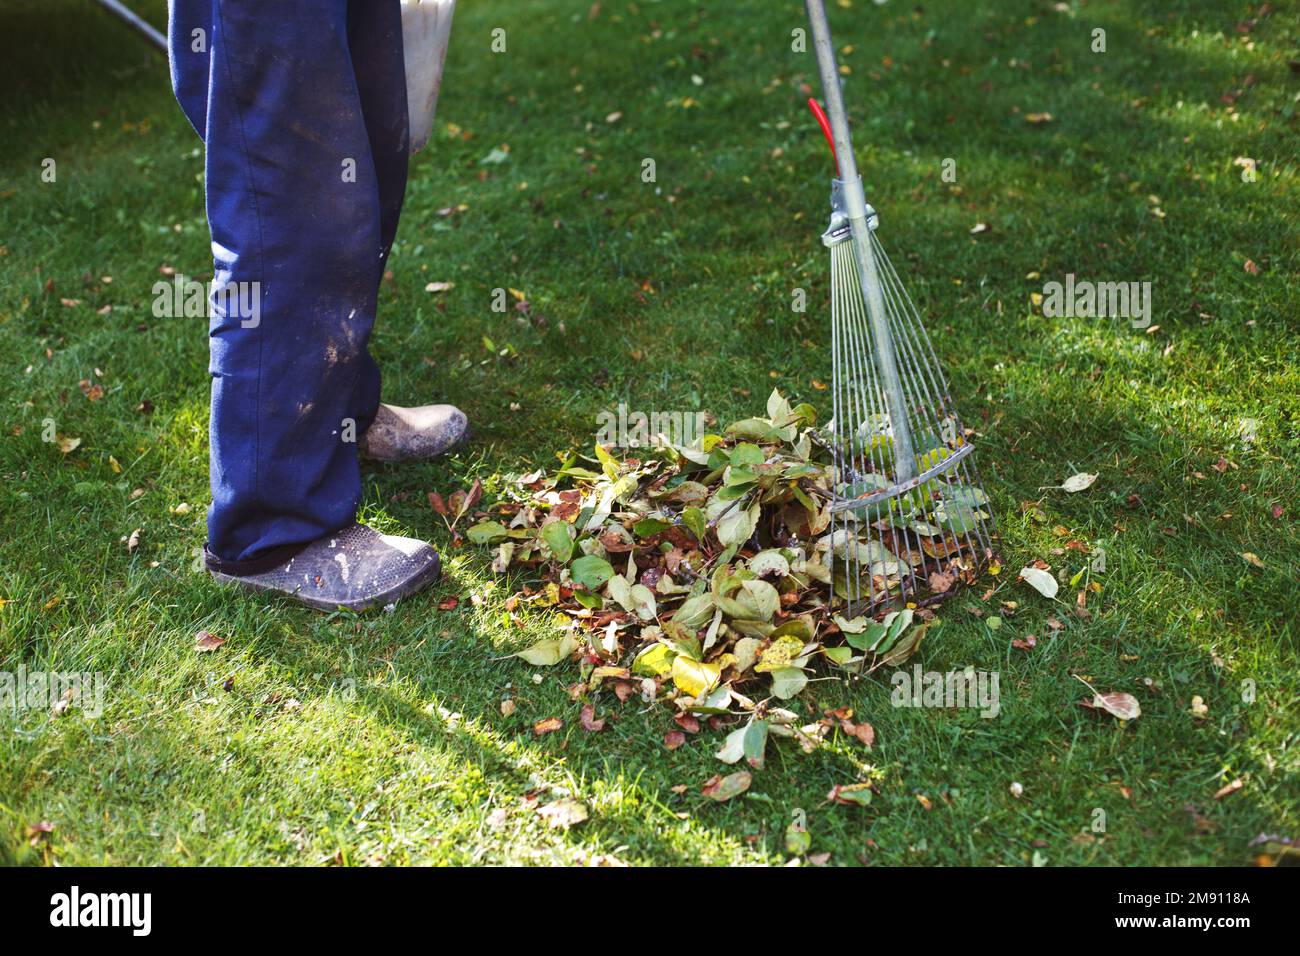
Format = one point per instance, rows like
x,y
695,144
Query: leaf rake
x,y
907,518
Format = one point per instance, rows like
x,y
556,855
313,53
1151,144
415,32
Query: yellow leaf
x,y
694,677
781,652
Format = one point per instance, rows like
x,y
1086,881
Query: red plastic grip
x,y
825,124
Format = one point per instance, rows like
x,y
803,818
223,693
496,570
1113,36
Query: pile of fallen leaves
x,y
698,576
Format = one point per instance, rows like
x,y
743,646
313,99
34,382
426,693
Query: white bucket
x,y
426,31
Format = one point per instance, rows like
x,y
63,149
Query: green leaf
x,y
868,638
788,681
648,527
965,494
745,456
853,794
695,612
761,599
957,517
769,563
734,527
805,414
724,788
488,532
755,429
755,741
591,571
607,461
733,748
715,701
550,652
732,492
695,520
800,627
558,536
798,840
635,598
778,408
906,647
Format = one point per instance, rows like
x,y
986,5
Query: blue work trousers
x,y
301,105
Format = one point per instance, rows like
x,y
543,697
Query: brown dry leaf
x,y
589,720
674,739
133,541
688,722
1250,267
437,504
1028,644
449,603
1037,119
507,707
206,641
36,832
1228,789
1251,558
62,704
863,731
547,725
68,444
924,801
563,813
940,583
1118,704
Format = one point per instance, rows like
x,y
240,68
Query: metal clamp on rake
x,y
907,515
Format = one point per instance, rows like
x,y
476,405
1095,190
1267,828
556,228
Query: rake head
x,y
908,518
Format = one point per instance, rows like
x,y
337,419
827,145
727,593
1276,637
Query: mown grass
x,y
675,295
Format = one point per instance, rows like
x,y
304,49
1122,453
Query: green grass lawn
x,y
316,739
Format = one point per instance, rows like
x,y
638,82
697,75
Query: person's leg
x,y
374,33
306,165
392,433
294,207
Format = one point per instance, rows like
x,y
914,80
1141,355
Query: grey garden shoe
x,y
425,431
354,568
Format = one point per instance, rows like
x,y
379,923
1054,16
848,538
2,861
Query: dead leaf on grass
x,y
721,788
563,813
206,642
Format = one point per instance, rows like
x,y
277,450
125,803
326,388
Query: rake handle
x,y
856,204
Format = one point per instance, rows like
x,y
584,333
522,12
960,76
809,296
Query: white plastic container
x,y
426,31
